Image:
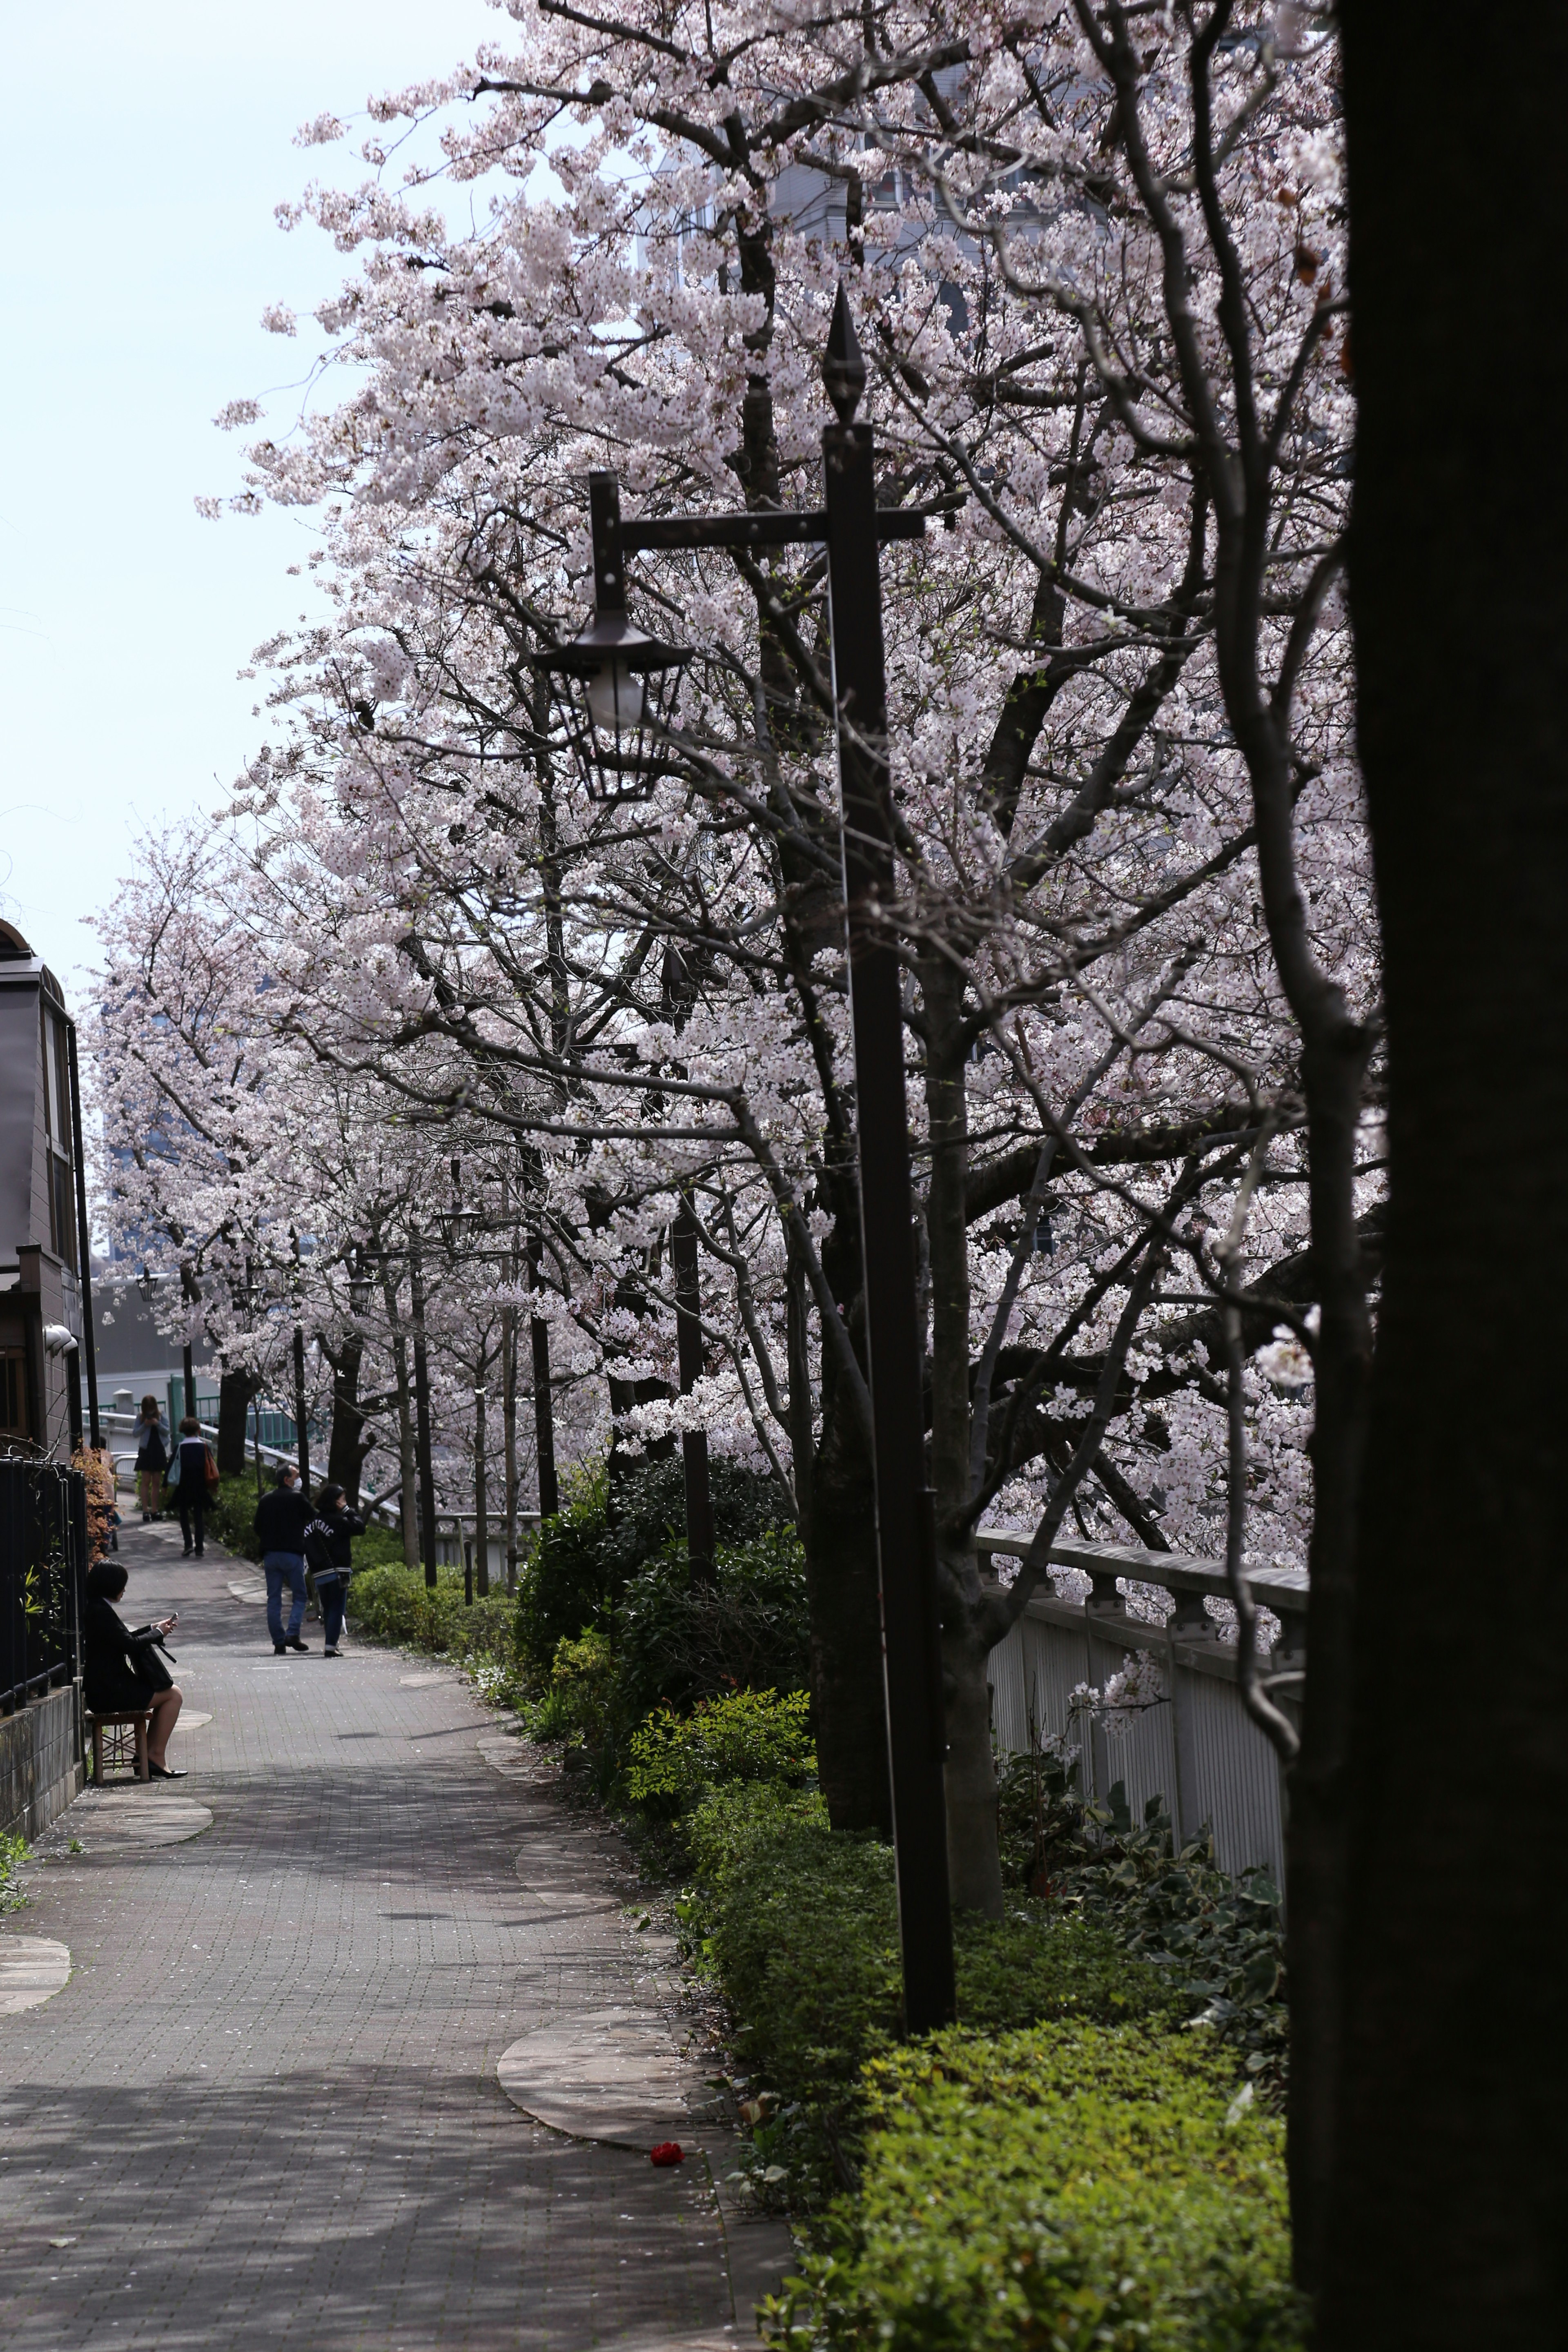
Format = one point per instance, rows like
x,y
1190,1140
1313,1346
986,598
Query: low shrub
x,y
1072,2186
394,1604
798,1924
589,1553
1221,1940
746,1628
751,1736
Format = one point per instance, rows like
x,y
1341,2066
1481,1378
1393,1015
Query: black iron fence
x,y
43,1572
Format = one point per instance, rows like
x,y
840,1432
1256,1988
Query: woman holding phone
x,y
121,1671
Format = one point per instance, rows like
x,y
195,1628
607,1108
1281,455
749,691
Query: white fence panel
x,y
1198,1748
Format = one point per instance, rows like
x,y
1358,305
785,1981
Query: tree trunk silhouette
x,y
235,1392
1451,2164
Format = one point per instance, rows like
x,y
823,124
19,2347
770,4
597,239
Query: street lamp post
x,y
423,1453
615,690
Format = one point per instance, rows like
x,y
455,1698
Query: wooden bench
x,y
126,1742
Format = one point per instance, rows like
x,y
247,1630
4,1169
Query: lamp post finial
x,y
842,368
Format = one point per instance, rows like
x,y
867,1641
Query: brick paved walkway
x,y
265,2106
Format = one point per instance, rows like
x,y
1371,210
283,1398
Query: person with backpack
x,y
152,1457
329,1554
192,1474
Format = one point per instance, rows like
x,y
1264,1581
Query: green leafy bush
x,y
751,1736
799,1926
590,1552
746,1629
1220,1940
1070,2186
394,1604
581,1697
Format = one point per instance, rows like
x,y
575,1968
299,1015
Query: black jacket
x,y
328,1541
282,1517
116,1679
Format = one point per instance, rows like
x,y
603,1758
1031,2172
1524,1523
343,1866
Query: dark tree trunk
x,y
1452,2169
235,1392
346,1447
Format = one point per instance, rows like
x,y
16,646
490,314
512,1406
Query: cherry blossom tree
x,y
1095,260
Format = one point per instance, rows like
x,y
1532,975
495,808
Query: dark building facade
x,y
42,1315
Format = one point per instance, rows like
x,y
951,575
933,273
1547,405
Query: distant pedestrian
x,y
152,1457
281,1520
195,1475
328,1553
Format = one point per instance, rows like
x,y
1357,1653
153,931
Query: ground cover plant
x,y
13,1854
1072,2186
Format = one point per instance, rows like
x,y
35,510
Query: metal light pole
x,y
301,1438
906,1526
699,1538
543,1411
614,689
422,1414
481,1500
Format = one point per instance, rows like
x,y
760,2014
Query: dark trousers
x,y
331,1592
193,1511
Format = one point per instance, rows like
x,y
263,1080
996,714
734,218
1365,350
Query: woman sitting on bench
x,y
122,1673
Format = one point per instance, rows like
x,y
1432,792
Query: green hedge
x,y
1070,2187
591,1551
395,1605
798,1924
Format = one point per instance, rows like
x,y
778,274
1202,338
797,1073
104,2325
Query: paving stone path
x,y
266,2105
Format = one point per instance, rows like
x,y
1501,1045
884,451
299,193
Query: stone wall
x,y
41,1767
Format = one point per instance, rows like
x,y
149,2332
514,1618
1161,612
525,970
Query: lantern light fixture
x,y
613,687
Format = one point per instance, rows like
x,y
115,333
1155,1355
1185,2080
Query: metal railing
x,y
42,1568
1188,1739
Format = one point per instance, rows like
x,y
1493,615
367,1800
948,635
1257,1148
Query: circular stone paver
x,y
123,1820
32,1969
605,2074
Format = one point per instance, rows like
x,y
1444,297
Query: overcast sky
x,y
145,148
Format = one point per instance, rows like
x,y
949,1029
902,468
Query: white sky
x,y
144,149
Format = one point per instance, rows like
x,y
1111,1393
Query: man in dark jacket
x,y
329,1550
281,1520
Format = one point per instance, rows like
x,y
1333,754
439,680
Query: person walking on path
x,y
281,1520
328,1553
151,1456
195,1471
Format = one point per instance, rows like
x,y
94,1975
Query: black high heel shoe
x,y
163,1771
